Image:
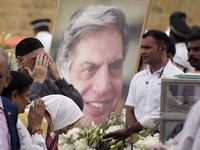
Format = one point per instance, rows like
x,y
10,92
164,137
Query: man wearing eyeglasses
x,y
9,138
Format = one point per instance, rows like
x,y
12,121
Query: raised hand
x,y
39,72
52,69
35,115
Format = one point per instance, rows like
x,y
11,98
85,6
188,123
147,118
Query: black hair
x,y
27,45
192,37
159,36
172,48
195,29
20,82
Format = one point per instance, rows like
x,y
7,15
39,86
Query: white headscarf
x,y
63,110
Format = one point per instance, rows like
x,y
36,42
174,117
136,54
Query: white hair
x,y
91,18
8,63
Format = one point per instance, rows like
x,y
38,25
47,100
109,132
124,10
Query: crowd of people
x,y
85,83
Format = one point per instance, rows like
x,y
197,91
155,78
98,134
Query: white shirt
x,y
168,31
190,135
181,57
145,89
28,142
45,37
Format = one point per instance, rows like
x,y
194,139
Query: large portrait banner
x,y
96,45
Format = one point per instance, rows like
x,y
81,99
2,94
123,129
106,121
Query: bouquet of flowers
x,y
151,142
91,138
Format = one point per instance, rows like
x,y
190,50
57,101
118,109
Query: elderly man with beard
x,y
9,138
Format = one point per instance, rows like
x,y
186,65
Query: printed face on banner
x,y
96,72
91,56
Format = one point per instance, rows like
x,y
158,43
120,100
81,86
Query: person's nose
x,y
143,51
102,81
28,101
65,131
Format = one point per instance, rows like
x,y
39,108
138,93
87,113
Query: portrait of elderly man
x,y
91,57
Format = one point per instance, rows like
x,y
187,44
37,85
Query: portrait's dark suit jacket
x,y
11,113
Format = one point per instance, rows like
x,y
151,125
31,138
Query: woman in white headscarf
x,y
61,113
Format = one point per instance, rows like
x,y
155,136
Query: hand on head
x,y
39,72
44,64
36,115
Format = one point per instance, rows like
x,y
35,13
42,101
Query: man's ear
x,y
163,48
20,60
8,80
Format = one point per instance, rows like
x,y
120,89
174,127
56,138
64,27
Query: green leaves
x,y
5,37
9,51
91,138
3,34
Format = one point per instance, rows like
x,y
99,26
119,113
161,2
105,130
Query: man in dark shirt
x,y
35,62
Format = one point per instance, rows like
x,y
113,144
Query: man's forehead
x,y
36,52
194,42
148,41
149,38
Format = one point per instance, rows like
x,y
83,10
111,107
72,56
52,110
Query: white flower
x,y
151,141
114,128
81,144
90,138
